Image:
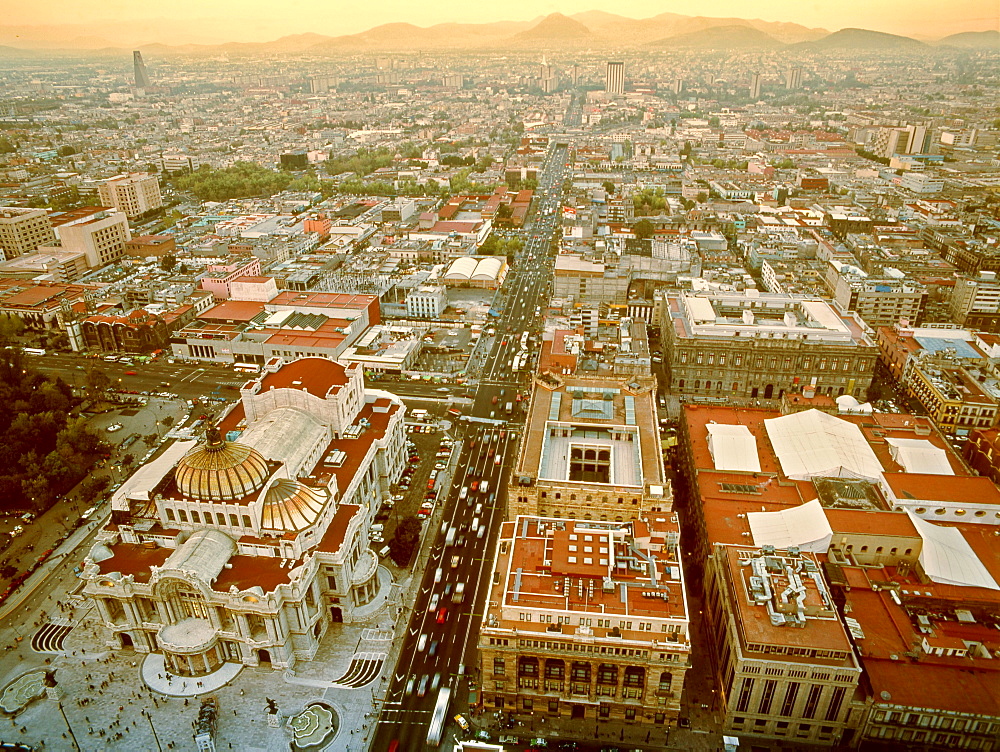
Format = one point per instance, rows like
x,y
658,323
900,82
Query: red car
x,y
131,373
475,485
442,615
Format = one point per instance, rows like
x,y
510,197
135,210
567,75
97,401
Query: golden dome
x,y
290,506
220,470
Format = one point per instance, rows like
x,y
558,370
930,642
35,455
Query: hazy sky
x,y
266,19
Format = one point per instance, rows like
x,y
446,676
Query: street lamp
x,y
152,728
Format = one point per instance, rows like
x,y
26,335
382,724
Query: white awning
x,y
146,478
804,526
733,447
947,557
920,456
812,444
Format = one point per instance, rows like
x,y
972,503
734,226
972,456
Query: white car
x,y
433,604
114,427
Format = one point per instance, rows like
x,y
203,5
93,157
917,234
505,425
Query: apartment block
x,y
23,231
879,301
975,302
133,194
427,302
98,232
586,620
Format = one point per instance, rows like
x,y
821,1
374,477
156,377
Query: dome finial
x,y
213,437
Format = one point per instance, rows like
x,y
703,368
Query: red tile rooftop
x,y
968,490
73,215
947,688
134,559
245,572
233,310
316,375
698,418
253,280
334,537
322,299
355,449
876,522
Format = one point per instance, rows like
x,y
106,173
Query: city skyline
x,y
88,25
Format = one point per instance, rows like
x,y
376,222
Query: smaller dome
x,y
290,506
220,470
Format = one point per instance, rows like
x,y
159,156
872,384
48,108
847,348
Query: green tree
x,y
242,180
97,382
11,328
91,486
7,146
404,542
609,187
643,229
168,261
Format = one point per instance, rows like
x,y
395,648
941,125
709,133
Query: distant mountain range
x,y
591,29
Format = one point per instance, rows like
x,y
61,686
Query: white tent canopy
x,y
804,526
947,557
733,447
813,444
920,456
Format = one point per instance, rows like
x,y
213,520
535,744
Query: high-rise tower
x,y
616,79
141,76
755,87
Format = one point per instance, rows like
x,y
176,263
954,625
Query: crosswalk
x,y
51,636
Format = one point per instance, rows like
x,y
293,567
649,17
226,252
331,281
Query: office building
x,y
590,450
139,68
99,233
785,663
723,345
133,194
793,79
755,86
615,81
248,546
586,620
23,231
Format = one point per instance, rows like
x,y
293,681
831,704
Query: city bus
x,y
33,351
246,367
439,716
